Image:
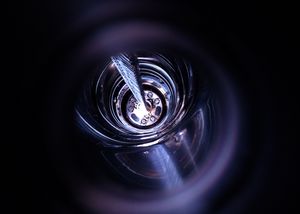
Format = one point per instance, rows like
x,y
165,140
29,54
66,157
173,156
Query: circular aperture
x,y
138,117
183,133
167,86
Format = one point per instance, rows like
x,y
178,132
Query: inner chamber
x,y
168,91
159,148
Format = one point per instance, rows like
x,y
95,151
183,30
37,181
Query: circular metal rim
x,y
219,163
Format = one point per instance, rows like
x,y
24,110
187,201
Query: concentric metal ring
x,y
167,83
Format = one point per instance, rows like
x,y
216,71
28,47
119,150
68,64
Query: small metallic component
x,y
131,75
157,101
157,111
141,118
150,95
130,108
134,117
152,118
130,80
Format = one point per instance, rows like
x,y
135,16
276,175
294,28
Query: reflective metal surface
x,y
141,118
168,164
215,77
167,88
165,166
129,69
164,146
